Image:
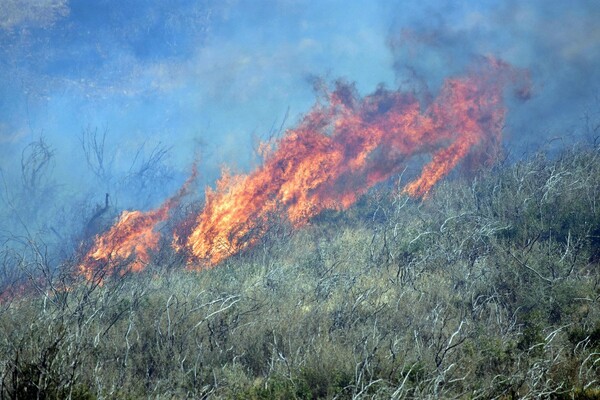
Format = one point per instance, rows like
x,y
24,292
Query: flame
x,y
130,241
340,149
343,147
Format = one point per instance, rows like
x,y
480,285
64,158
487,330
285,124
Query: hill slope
x,y
489,288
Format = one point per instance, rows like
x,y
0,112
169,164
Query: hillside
x,y
487,288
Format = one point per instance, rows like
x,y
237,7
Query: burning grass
x,y
488,289
343,147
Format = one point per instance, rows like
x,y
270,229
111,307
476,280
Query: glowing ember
x,y
344,147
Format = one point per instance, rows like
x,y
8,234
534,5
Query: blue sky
x,y
209,77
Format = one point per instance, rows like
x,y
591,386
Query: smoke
x,y
171,82
201,72
557,42
33,13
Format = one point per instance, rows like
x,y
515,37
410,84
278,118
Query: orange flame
x,y
132,238
340,149
344,147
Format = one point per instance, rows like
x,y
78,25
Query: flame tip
x,y
340,149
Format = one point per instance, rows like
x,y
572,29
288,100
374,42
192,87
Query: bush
x,y
488,289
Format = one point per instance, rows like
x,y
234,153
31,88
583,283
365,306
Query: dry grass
x,y
488,289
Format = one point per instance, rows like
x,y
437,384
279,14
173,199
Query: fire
x,y
344,147
340,149
130,241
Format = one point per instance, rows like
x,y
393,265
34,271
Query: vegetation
x,y
490,288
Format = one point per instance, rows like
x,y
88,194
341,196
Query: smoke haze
x,y
165,83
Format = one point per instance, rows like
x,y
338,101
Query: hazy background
x,y
172,81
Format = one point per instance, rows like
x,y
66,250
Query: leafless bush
x,y
488,289
36,161
96,154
